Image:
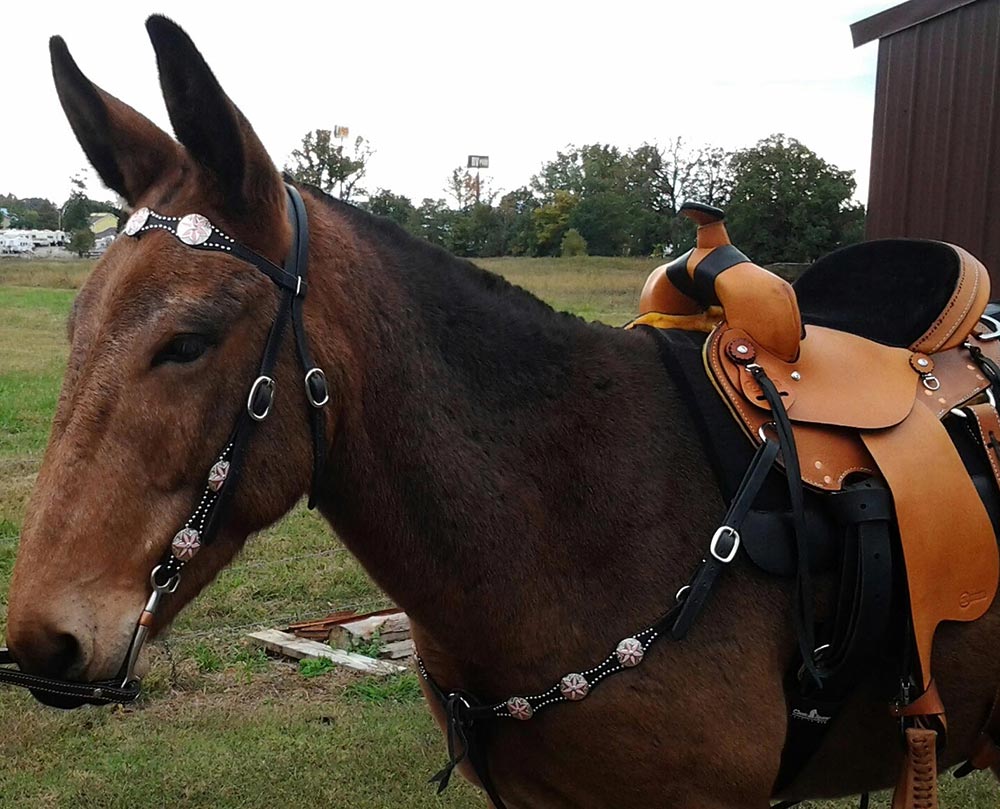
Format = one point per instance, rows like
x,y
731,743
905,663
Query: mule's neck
x,y
499,468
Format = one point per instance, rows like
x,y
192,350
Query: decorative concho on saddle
x,y
876,374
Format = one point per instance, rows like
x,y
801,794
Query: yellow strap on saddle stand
x,y
702,321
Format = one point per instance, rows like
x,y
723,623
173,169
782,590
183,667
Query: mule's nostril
x,y
65,654
50,654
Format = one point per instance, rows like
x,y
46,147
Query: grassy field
x,y
221,724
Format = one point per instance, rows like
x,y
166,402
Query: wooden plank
x,y
286,644
390,628
320,629
398,650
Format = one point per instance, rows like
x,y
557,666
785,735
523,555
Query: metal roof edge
x,y
899,18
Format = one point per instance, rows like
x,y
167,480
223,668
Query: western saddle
x,y
863,360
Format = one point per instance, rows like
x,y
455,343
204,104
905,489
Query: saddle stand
x,y
857,371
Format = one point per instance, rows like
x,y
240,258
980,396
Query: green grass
x,y
316,667
222,724
398,688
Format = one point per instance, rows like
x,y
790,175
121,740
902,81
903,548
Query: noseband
x,y
202,526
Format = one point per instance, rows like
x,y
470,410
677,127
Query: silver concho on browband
x,y
193,229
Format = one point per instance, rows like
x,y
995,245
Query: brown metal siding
x,y
936,148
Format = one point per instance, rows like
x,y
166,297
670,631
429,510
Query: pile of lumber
x,y
338,637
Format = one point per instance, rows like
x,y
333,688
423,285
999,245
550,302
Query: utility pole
x,y
477,162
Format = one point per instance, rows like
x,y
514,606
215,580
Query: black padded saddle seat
x,y
890,290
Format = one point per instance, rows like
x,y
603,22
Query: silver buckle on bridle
x,y
318,374
265,383
722,531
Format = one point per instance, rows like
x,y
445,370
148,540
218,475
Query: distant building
x,y
103,225
935,168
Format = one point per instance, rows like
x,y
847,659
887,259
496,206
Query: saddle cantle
x,y
868,352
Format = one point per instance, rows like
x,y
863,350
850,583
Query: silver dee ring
x,y
960,411
142,627
763,427
992,322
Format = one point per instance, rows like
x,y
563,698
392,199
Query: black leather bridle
x,y
201,528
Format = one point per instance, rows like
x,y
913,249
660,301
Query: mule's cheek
x,y
105,633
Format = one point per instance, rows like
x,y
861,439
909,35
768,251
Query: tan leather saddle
x,y
883,340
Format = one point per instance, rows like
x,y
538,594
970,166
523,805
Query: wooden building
x,y
935,170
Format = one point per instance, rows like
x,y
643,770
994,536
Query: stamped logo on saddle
x,y
812,716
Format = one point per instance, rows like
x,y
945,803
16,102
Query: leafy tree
x,y
476,232
689,175
573,244
468,189
82,241
78,208
392,206
605,220
31,213
627,201
516,223
322,162
552,221
788,204
433,221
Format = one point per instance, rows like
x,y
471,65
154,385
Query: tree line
x,y
36,213
783,201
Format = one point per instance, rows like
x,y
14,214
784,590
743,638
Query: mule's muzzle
x,y
65,694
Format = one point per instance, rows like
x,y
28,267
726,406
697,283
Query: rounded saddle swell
x,y
716,273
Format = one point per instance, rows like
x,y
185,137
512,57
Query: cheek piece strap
x,y
201,528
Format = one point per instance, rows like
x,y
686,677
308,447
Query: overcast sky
x,y
428,83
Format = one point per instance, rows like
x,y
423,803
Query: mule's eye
x,y
182,348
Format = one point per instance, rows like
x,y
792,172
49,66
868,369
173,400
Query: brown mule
x,y
527,486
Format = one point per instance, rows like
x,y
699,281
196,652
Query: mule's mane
x,y
414,255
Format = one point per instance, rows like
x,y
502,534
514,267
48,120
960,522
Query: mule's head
x,y
165,341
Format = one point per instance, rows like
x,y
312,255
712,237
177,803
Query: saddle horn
x,y
716,273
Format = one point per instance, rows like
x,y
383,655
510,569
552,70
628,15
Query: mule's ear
x,y
128,150
205,120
